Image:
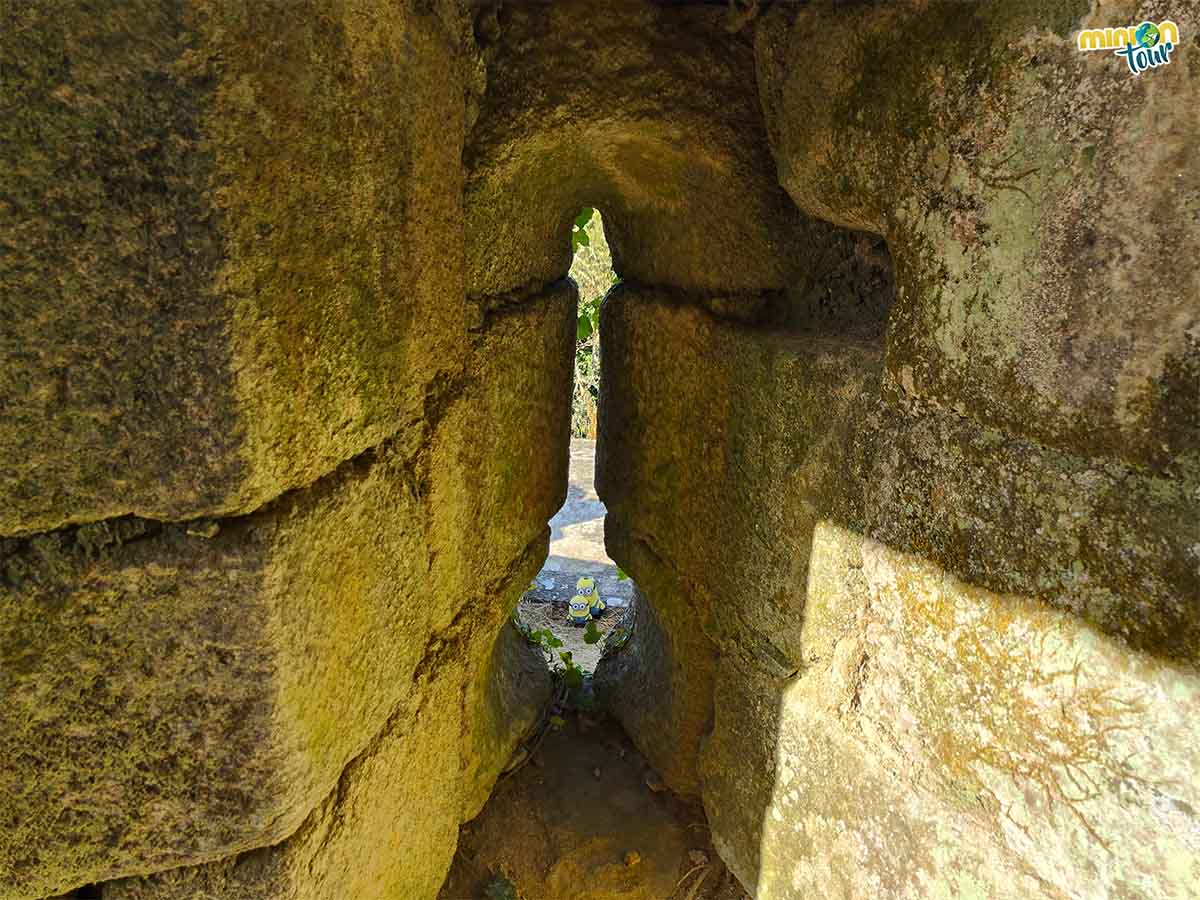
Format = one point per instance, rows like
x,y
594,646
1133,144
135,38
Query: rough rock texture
x,y
906,466
712,502
669,658
647,112
389,828
228,248
1007,749
1032,577
1040,205
218,677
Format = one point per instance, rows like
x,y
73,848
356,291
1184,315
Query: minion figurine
x,y
586,604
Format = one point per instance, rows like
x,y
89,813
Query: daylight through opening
x,y
574,607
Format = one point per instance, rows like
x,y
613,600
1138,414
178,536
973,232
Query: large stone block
x,y
659,685
1062,578
1039,203
774,436
389,828
230,249
517,418
172,697
957,742
647,111
175,694
1118,547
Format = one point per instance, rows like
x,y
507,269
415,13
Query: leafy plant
x,y
566,668
579,236
592,271
572,674
500,888
588,320
591,634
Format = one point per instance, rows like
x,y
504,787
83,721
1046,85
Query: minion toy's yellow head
x,y
586,585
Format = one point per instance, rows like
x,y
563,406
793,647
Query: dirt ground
x,y
539,614
587,819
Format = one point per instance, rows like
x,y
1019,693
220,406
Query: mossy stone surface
x,y
648,112
1039,204
768,495
219,676
230,248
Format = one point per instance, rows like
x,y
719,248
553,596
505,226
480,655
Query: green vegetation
x,y
562,663
592,270
500,888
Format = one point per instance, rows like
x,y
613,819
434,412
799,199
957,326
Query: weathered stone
x,y
659,685
957,742
1116,546
727,462
389,828
772,438
767,477
649,113
286,371
1040,205
516,421
228,236
219,685
503,702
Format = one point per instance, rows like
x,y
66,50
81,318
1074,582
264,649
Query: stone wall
x,y
899,434
948,567
269,501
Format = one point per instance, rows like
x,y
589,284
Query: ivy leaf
x,y
581,238
557,722
573,678
583,327
585,216
622,575
592,634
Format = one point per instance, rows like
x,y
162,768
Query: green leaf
x,y
583,328
552,641
592,634
573,678
622,575
585,216
566,656
581,239
557,722
500,888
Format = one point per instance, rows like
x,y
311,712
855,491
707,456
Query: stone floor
x,y
576,549
577,538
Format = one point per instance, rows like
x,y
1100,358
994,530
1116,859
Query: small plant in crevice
x,y
500,888
562,663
